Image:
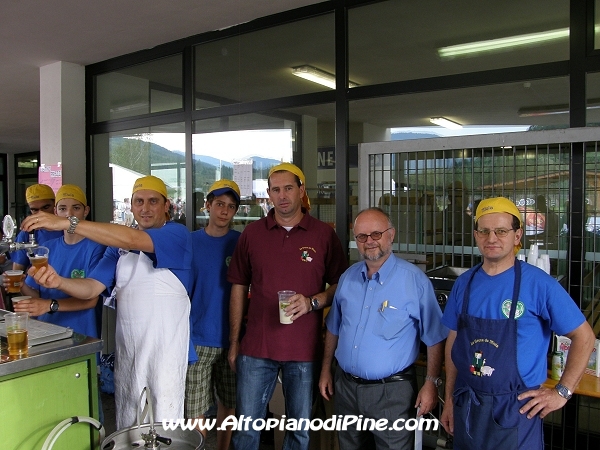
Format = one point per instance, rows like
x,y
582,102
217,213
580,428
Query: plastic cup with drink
x,y
38,257
13,281
284,302
16,334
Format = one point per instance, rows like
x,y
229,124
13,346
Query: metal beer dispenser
x,y
146,435
7,243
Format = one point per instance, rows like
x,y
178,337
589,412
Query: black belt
x,y
407,374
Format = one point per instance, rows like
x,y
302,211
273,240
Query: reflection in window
x,y
158,151
242,155
146,88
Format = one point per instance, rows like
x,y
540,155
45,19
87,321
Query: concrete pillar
x,y
62,120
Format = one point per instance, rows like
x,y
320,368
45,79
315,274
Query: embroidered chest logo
x,y
227,261
478,367
305,254
78,273
506,304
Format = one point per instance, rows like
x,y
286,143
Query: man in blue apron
x,y
501,314
149,270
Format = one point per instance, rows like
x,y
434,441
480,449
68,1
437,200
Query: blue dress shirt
x,y
380,321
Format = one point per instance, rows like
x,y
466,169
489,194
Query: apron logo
x,y
77,273
506,304
478,367
305,256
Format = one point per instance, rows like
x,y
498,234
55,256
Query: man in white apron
x,y
149,268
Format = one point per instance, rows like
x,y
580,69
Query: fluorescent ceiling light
x,y
443,122
317,75
502,43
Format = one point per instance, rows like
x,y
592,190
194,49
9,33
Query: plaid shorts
x,y
208,377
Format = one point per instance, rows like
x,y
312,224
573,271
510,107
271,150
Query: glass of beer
x,y
38,257
14,281
16,334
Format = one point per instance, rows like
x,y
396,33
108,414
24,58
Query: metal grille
x,y
430,187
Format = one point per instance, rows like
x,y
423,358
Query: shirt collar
x,y
272,223
384,271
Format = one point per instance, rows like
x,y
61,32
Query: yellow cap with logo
x,y
499,205
152,183
71,191
289,167
223,186
39,192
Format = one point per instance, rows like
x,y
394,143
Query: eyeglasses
x,y
500,232
375,235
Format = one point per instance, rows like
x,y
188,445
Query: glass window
x,y
394,41
244,68
121,158
146,88
592,92
245,147
502,108
26,174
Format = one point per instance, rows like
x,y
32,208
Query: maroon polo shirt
x,y
271,259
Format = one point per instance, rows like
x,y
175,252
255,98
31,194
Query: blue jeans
x,y
256,378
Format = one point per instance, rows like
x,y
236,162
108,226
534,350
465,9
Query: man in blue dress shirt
x,y
382,309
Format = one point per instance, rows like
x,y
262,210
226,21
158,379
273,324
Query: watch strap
x,y
563,391
437,381
74,221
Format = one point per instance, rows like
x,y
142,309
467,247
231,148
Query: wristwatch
x,y
314,303
437,381
74,221
563,391
53,306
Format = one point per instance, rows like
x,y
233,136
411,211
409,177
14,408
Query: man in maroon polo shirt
x,y
287,250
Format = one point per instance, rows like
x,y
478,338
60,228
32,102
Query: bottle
x,y
558,365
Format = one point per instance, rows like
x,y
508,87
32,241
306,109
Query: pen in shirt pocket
x,y
386,304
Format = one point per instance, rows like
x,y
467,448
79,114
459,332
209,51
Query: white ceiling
x,y
35,33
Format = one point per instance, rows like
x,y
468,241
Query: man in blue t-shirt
x,y
501,315
72,256
212,249
39,197
149,271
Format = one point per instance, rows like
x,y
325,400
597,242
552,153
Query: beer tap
x,y
7,243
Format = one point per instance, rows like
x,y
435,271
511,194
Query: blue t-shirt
x,y
172,250
210,289
381,321
41,237
71,261
544,306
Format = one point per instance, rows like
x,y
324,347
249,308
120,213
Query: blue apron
x,y
486,409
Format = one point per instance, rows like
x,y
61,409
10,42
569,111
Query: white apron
x,y
152,338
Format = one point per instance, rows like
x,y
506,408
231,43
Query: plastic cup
x,y
284,302
14,281
21,297
16,334
38,257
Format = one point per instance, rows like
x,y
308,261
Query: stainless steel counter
x,y
50,353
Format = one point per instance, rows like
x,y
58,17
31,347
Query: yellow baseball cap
x,y
289,167
71,191
150,182
39,192
223,186
499,205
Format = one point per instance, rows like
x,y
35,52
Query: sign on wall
x,y
326,157
50,175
